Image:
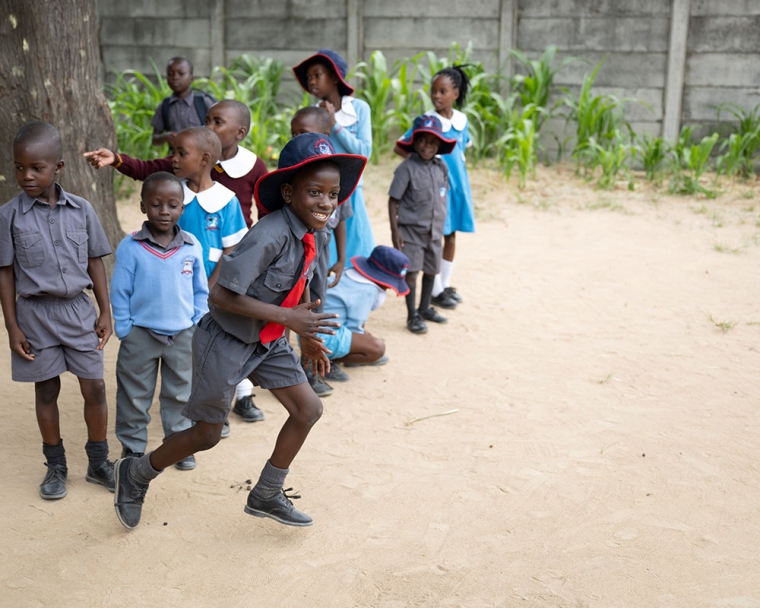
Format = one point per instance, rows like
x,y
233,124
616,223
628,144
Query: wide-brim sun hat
x,y
427,124
385,266
299,152
330,58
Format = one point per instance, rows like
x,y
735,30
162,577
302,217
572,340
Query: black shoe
x,y
102,474
416,325
431,314
336,374
225,430
53,486
452,293
186,464
245,408
443,300
126,452
129,495
381,361
278,508
319,386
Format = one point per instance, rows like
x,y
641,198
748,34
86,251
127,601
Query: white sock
x,y
446,269
244,389
437,287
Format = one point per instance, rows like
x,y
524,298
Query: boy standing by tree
x,y
51,245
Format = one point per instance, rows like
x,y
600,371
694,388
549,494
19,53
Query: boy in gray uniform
x,y
261,291
51,245
417,210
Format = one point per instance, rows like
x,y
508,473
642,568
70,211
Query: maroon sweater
x,y
241,186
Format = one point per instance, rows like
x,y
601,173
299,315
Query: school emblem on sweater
x,y
322,146
187,266
212,222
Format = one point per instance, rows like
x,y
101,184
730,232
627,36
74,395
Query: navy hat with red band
x,y
385,266
299,152
332,60
427,124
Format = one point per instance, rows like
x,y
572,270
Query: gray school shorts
x,y
423,251
221,361
61,332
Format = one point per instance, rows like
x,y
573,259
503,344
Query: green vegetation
x,y
506,118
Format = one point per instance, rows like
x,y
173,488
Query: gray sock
x,y
142,471
270,482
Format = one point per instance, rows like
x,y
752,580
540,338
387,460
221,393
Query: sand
x,y
598,447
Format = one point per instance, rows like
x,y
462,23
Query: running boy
x,y
361,291
417,209
184,108
314,119
256,297
238,168
51,245
156,325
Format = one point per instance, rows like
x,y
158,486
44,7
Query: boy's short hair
x,y
181,60
160,176
206,140
242,111
40,132
321,115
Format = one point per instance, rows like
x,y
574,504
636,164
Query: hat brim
x,y
300,72
447,145
380,275
267,192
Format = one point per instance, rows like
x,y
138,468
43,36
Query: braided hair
x,y
459,79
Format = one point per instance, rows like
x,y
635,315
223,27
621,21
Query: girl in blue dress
x,y
449,89
323,75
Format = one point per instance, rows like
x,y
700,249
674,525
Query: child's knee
x,y
47,391
378,348
310,411
93,391
206,436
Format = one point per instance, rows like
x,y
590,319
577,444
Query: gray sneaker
x,y
53,486
129,494
336,374
225,429
319,386
279,508
102,475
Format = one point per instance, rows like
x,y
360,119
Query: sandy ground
x,y
599,445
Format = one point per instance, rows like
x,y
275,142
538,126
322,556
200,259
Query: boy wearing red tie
x,y
262,289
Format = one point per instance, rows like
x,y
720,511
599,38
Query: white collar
x,y
212,199
240,164
458,120
346,116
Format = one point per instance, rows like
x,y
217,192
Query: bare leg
x,y
365,348
46,406
95,408
202,436
305,409
449,246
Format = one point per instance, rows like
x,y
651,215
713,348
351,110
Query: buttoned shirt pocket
x,y
30,251
79,238
278,282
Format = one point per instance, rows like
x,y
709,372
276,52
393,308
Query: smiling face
x,y
312,193
443,94
426,145
163,203
188,161
179,76
321,81
223,120
36,169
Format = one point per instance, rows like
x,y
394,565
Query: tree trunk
x,y
49,62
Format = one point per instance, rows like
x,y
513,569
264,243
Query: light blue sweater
x,y
165,290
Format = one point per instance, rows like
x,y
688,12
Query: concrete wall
x,y
719,39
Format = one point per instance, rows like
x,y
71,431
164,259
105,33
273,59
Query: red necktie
x,y
273,331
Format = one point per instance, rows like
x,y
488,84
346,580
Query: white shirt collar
x,y
458,120
346,116
240,164
211,200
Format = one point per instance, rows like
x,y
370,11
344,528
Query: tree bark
x,y
49,62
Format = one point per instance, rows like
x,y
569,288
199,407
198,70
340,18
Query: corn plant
x,y
652,151
536,84
377,91
740,148
613,159
518,146
133,98
689,162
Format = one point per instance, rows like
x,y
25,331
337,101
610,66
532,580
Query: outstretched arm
x,y
131,167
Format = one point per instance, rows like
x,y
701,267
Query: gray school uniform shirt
x,y
49,247
182,114
264,265
420,188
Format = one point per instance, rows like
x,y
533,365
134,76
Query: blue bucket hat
x,y
301,151
385,266
427,124
332,60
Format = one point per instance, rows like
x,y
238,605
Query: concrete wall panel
x,y
573,34
296,9
285,33
583,8
472,9
426,33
